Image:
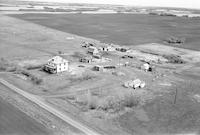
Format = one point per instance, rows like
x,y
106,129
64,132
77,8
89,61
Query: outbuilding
x,y
134,84
86,59
108,48
145,67
93,50
98,68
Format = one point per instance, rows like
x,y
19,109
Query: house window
x,y
64,63
60,64
60,69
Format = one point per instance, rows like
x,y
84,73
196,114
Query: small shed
x,y
97,56
87,44
98,68
122,49
145,67
93,50
86,59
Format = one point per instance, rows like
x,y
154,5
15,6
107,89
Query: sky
x,y
162,3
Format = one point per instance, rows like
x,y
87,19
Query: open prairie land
x,y
123,29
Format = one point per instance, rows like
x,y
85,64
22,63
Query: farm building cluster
x,y
97,58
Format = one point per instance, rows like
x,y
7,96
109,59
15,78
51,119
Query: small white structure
x,y
69,38
142,85
127,84
108,48
145,67
134,84
93,50
56,64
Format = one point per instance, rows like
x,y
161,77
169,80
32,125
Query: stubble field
x,y
123,29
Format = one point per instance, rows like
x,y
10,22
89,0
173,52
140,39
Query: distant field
x,y
125,29
15,122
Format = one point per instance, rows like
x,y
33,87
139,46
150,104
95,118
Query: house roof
x,y
58,60
87,57
91,48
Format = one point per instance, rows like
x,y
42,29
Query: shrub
x,y
87,77
32,67
7,66
167,14
111,103
36,80
83,77
3,64
33,78
92,103
153,13
175,40
174,59
130,100
2,68
91,100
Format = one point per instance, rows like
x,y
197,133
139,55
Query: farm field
x,y
13,121
123,29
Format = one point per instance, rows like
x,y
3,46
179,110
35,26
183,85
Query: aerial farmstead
x,y
77,85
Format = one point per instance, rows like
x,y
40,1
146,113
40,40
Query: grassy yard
x,y
165,115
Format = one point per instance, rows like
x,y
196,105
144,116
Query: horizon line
x,y
129,5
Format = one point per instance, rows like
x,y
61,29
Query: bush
x,y
167,14
83,77
87,77
32,67
5,65
111,103
130,100
33,78
153,13
117,103
175,40
91,101
36,80
174,59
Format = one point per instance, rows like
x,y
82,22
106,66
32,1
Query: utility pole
x,y
119,62
176,93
